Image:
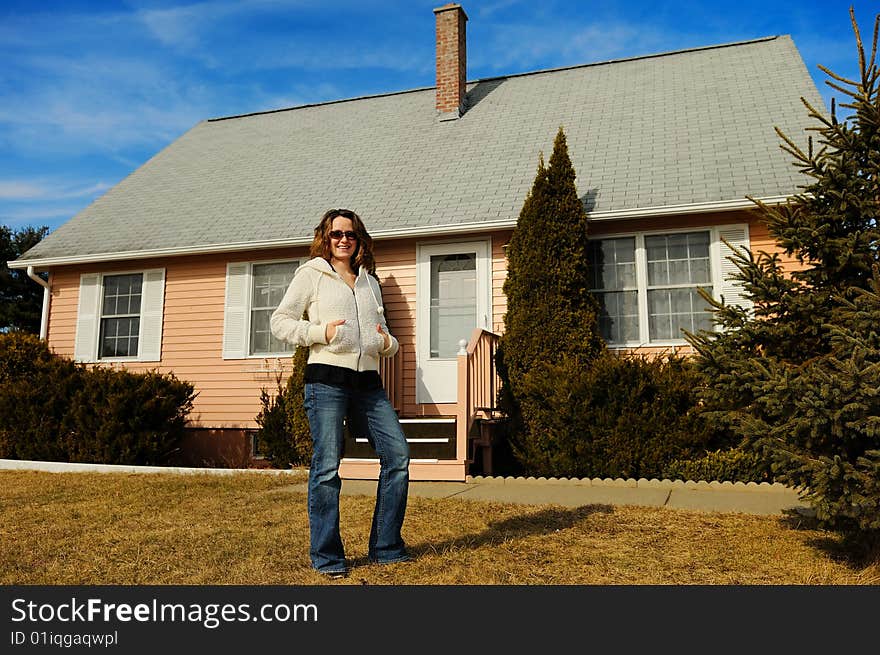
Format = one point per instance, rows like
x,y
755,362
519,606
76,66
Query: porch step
x,y
429,438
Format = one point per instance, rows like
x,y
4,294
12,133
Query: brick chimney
x,y
451,61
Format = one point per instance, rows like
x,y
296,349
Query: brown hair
x,y
363,253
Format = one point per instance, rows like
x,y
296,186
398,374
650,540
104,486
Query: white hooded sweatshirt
x,y
323,295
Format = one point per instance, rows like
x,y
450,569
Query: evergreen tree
x,y
283,436
551,315
21,299
794,374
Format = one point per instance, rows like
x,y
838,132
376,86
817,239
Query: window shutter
x,y
152,305
732,290
235,338
85,347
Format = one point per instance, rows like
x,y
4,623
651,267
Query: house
x,y
178,267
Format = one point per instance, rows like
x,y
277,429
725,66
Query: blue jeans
x,y
369,414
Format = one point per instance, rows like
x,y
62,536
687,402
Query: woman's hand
x,y
330,330
386,339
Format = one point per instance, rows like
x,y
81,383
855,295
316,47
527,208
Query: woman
x,y
346,333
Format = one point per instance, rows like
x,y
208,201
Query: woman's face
x,y
342,248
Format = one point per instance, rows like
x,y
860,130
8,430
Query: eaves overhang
x,y
433,230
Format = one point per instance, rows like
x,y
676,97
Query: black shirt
x,y
343,377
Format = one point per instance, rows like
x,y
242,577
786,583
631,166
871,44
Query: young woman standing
x,y
333,306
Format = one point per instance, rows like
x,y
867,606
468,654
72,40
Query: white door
x,y
453,298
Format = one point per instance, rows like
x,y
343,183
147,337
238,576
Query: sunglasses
x,y
338,234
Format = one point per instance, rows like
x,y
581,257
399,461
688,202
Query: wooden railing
x,y
478,384
391,372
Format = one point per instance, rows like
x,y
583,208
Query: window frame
x,y
642,287
250,305
101,316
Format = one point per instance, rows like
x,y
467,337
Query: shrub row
x,y
623,415
54,409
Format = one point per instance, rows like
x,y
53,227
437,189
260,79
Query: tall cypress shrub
x,y
551,315
283,435
796,376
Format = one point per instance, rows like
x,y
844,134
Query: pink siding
x,y
229,390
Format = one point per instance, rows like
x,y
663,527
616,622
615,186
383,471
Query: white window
x,y
647,283
253,292
119,316
453,301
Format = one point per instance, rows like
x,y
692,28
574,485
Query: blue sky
x,y
90,90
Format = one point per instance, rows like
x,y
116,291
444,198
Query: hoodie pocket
x,y
375,343
344,341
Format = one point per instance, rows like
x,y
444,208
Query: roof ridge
x,y
500,77
655,55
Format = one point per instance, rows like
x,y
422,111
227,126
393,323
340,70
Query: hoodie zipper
x,y
357,318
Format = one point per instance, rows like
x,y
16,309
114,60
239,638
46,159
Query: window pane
x,y
679,271
698,244
613,263
122,294
676,246
262,339
270,282
656,248
626,275
700,271
678,258
658,273
619,316
119,337
453,301
671,310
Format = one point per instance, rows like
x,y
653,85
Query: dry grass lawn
x,y
78,528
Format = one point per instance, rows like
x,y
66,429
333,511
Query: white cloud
x,y
20,190
99,103
25,190
520,47
178,26
27,215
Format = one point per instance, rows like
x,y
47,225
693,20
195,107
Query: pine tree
x,y
793,375
21,299
551,315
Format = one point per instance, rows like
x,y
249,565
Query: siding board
x,y
229,390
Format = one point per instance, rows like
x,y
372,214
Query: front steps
x,y
432,444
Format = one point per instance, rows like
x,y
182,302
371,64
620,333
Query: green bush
x,y
54,409
732,464
126,418
35,397
625,416
283,436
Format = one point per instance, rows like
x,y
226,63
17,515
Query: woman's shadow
x,y
544,521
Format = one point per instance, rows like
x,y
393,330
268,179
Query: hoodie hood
x,y
322,265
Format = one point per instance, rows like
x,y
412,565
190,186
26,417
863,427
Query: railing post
x,y
462,417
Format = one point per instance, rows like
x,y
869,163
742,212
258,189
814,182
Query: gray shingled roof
x,y
677,129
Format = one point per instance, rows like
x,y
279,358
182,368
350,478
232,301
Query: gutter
x,y
47,295
433,230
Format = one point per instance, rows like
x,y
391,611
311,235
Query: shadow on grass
x,y
544,522
853,553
